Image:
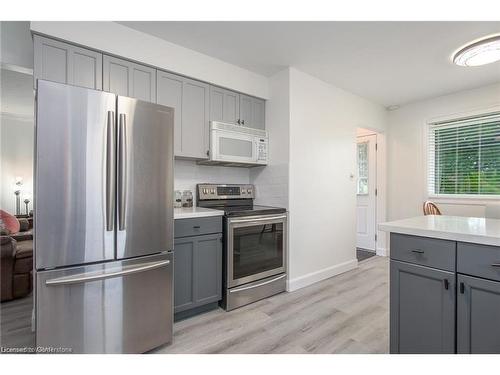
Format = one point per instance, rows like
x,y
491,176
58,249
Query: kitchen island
x,y
444,284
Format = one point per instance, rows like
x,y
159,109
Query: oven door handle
x,y
234,290
257,219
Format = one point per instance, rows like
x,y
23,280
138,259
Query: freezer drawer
x,y
116,307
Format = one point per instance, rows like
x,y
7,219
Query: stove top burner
x,y
234,200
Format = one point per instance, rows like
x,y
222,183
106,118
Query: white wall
x,y
187,174
406,155
120,40
323,122
271,182
16,43
16,159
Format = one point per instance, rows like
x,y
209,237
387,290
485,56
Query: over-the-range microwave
x,y
236,145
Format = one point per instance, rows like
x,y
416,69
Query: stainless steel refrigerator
x,y
103,221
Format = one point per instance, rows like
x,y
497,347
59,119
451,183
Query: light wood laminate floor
x,y
15,323
348,313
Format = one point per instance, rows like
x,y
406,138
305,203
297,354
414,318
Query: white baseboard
x,y
381,251
325,273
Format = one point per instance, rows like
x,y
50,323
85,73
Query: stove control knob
x,y
212,191
249,191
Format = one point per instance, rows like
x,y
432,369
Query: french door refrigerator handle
x,y
84,278
110,171
122,172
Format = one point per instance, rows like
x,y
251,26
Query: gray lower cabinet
x,y
197,271
123,77
65,63
422,309
190,99
478,315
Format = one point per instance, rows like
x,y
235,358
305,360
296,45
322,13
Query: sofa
x,y
17,261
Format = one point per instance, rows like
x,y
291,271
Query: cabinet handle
x,y
495,265
418,251
446,284
239,122
208,152
242,122
196,227
462,288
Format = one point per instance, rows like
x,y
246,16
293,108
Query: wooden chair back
x,y
430,208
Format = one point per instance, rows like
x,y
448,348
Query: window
x,y
363,168
464,157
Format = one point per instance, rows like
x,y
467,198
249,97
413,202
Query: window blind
x,y
464,156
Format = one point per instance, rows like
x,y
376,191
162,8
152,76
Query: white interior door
x,y
366,191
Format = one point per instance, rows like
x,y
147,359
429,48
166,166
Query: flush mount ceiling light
x,y
481,52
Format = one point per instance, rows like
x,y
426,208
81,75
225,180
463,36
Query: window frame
x,y
453,198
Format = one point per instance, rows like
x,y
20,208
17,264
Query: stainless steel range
x,y
255,243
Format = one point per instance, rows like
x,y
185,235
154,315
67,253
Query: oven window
x,y
235,147
256,249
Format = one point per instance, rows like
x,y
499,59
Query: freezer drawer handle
x,y
235,290
110,171
122,172
82,278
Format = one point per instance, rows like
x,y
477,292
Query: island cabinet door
x,y
422,308
478,315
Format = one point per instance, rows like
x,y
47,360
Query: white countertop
x,y
191,212
457,228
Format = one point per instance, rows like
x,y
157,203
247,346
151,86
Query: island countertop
x,y
457,228
192,212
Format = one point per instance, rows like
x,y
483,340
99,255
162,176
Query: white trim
x,y
16,116
381,251
17,68
316,276
453,198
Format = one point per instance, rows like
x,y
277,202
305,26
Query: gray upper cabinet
x,y
422,307
224,105
127,78
252,112
478,309
229,106
190,99
65,63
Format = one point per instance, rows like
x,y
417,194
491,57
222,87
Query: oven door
x,y
233,147
256,248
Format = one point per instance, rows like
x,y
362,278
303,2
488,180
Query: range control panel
x,y
215,191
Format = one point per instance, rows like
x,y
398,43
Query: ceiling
x,y
390,63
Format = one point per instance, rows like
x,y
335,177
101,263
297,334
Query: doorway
x,y
366,193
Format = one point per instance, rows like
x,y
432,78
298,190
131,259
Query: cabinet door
x,y
64,63
126,78
422,309
252,112
478,312
169,93
208,269
258,114
184,249
224,105
246,117
197,271
190,99
195,123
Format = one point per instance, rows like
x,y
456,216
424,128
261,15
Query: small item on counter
x,y
177,199
187,198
